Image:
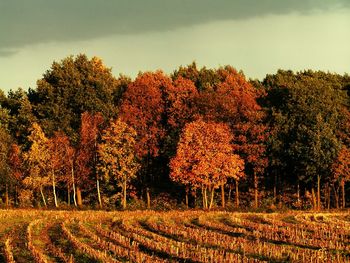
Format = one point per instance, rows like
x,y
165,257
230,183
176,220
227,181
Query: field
x,y
190,236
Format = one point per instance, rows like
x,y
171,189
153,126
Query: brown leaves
x,y
341,166
15,161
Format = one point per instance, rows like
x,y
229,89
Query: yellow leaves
x,y
37,158
117,151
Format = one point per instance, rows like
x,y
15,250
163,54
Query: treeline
x,y
195,138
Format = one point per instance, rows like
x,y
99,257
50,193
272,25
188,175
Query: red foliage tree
x,y
15,163
341,170
86,159
144,108
181,102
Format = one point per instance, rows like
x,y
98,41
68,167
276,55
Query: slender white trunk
x,y
54,188
42,195
98,193
73,184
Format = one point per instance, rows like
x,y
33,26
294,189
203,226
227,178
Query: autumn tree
x,y
181,98
60,164
15,162
37,160
117,154
143,108
205,158
341,170
203,78
71,87
86,159
5,144
233,100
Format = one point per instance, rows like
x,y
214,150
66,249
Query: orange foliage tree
x,y
181,109
117,154
86,159
205,158
233,100
341,171
143,108
61,161
15,163
181,97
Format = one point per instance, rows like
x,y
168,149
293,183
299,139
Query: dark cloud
x,y
24,22
7,52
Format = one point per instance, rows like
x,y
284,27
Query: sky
x,y
256,36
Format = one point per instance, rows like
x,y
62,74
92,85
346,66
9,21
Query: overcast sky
x,y
257,36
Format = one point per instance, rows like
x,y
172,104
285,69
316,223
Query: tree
x,y
5,144
20,115
306,115
37,160
204,79
181,97
341,170
60,164
86,159
117,154
205,158
71,87
15,162
143,107
233,100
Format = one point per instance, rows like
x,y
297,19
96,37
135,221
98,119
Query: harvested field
x,y
176,236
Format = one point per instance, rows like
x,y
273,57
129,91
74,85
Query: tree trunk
x,y
256,193
275,190
98,193
205,198
79,199
148,198
7,195
42,195
343,193
298,193
318,192
195,198
124,194
223,195
328,197
314,200
97,179
186,197
336,196
73,185
212,197
229,193
237,194
54,189
68,195
16,195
